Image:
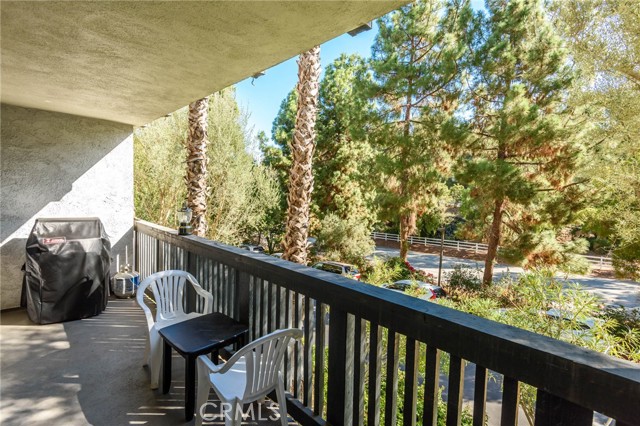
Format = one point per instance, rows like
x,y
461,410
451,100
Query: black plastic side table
x,y
192,338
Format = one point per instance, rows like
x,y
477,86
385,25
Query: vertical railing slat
x,y
510,395
480,396
348,369
410,383
454,393
336,365
391,390
289,357
431,386
319,383
359,353
375,364
306,376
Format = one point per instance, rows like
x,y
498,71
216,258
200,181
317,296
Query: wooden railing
x,y
599,261
358,337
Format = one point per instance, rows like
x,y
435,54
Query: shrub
x,y
344,240
526,301
379,272
625,326
462,280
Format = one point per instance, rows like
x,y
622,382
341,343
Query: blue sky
x,y
262,98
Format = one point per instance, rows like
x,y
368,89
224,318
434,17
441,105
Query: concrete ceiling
x,y
133,62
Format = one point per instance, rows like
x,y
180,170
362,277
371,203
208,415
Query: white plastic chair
x,y
168,290
248,376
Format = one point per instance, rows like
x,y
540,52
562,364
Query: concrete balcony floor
x,y
88,372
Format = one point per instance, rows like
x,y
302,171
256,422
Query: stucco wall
x,y
60,165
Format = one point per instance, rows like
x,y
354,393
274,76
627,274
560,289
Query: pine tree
x,y
522,149
343,153
278,155
603,37
416,61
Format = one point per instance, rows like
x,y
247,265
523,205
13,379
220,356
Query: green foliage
x,y
241,191
614,215
463,279
405,271
540,302
343,154
521,143
626,328
546,249
604,41
466,418
159,155
278,155
344,240
379,272
416,56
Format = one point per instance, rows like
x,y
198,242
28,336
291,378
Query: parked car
x,y
339,268
433,291
580,323
380,256
252,248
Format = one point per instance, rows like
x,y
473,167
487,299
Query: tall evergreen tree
x,y
603,37
521,150
343,153
416,64
278,154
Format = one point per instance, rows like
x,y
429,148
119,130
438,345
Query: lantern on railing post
x,y
184,217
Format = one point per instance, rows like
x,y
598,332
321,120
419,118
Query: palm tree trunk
x,y
302,147
196,177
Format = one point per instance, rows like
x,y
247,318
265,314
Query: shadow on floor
x,y
86,372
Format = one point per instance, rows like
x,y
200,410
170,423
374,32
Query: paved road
x,y
612,291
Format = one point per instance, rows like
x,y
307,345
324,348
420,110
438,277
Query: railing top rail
x,y
588,378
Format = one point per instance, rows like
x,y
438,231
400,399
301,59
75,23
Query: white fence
x,y
468,245
458,245
599,260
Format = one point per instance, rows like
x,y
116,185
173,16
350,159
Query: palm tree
x,y
196,177
302,147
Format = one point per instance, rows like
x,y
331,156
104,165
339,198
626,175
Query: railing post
x,y
552,410
336,387
476,249
242,298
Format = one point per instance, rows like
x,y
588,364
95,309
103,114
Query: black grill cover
x,y
67,269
